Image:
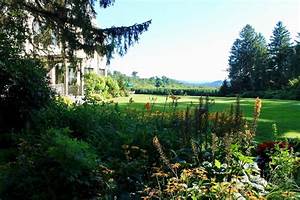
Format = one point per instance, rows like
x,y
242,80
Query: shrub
x,y
283,165
94,83
288,93
113,87
23,88
99,88
54,167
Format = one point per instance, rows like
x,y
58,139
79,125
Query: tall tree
x,y
225,88
280,52
260,74
246,56
70,24
295,59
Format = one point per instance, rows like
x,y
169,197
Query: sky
x,y
191,39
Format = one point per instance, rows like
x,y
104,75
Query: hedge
x,y
178,91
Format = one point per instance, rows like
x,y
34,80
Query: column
x,y
82,78
66,82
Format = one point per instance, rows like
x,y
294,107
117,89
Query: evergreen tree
x,y
260,64
295,59
280,52
247,61
225,88
69,23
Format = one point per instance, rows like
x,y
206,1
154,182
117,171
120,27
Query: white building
x,y
69,80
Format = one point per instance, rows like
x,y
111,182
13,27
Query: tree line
x,y
134,81
255,65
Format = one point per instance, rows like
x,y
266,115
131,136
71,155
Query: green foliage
x,y
280,52
288,93
24,86
71,154
158,82
255,69
105,151
99,88
283,165
225,88
113,87
54,166
295,83
136,83
247,61
94,83
178,91
69,24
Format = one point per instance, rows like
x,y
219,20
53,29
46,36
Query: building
x,y
67,78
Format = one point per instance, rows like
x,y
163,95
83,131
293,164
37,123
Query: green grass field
x,y
285,113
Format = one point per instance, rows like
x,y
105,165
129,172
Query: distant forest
x,y
155,82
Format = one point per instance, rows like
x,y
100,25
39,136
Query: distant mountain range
x,y
217,83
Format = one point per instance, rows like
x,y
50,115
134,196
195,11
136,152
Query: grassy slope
x,y
285,113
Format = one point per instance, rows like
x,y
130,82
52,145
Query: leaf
x,y
217,164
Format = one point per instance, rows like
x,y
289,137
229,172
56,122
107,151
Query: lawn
x,y
284,113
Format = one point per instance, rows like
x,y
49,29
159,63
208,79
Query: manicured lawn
x,y
285,113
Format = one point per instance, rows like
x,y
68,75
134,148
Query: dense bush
x,y
99,88
289,93
292,92
23,88
54,166
178,91
23,83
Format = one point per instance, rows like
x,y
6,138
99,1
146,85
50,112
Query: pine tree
x,y
225,88
70,24
247,61
280,52
295,59
260,64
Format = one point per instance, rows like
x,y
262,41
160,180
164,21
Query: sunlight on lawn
x,y
292,134
284,113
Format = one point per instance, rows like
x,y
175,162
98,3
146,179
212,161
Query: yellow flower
x,y
257,107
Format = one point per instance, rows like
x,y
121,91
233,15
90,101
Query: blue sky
x,y
191,39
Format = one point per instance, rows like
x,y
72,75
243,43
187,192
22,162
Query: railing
x,y
59,88
74,90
